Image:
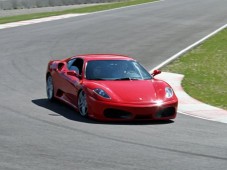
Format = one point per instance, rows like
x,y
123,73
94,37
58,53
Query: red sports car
x,y
110,87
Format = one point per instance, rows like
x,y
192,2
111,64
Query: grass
x,y
90,9
205,70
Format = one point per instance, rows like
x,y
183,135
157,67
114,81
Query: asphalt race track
x,y
36,134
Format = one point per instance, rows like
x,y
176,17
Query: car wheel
x,y
50,88
82,104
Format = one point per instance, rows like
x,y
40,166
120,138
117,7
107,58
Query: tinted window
x,y
70,63
76,64
115,70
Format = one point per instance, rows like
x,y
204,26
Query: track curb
x,y
187,104
190,106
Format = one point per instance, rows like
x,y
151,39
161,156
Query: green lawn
x,y
78,10
205,70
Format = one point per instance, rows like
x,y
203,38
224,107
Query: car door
x,y
71,83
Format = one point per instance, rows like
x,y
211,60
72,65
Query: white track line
x,y
35,21
189,48
156,1
52,18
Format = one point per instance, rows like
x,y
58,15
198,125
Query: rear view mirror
x,y
156,72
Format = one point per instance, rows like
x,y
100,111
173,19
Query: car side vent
x,y
60,66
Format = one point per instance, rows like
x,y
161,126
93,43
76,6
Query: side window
x,y
70,62
76,65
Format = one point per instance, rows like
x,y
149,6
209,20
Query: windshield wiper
x,y
127,78
97,79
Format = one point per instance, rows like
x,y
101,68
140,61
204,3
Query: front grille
x,y
167,112
117,114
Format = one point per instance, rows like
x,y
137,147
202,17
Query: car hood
x,y
132,91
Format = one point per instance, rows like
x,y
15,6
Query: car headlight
x,y
169,92
101,93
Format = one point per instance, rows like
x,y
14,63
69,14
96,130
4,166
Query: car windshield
x,y
116,70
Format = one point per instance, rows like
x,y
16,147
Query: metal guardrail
x,y
20,4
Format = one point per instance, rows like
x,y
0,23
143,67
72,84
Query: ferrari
x,y
110,87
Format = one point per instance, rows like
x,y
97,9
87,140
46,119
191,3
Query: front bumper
x,y
120,111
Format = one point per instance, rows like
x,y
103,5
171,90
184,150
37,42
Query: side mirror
x,y
73,73
156,72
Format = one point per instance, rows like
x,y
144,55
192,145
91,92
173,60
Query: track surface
x,y
36,134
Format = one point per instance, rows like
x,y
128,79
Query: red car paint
x,y
128,99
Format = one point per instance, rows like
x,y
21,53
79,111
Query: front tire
x,y
50,88
82,104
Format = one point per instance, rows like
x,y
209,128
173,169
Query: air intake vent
x,y
167,112
117,114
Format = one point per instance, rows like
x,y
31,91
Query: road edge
x,y
175,56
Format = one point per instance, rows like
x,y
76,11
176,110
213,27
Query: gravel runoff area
x,y
5,13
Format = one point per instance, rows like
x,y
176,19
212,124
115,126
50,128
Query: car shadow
x,y
61,109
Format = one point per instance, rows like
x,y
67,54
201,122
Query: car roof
x,y
89,57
